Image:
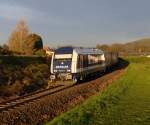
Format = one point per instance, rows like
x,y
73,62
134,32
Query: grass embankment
x,y
125,102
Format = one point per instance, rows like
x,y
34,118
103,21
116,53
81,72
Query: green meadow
x,y
125,102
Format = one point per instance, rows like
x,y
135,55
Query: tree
x,y
17,37
103,47
32,44
117,47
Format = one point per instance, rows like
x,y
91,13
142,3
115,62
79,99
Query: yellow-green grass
x,y
125,102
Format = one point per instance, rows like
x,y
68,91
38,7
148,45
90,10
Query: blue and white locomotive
x,y
75,63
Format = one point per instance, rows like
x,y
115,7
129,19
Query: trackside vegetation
x,y
125,102
20,75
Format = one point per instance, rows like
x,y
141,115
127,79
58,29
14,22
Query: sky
x,y
78,22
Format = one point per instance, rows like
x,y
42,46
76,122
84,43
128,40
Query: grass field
x,y
125,102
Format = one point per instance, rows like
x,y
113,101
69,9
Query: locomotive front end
x,y
61,65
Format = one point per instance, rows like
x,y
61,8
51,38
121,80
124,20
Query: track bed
x,y
46,108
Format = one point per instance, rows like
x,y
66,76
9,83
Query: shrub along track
x,y
42,109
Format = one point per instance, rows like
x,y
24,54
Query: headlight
x,y
68,70
52,76
55,70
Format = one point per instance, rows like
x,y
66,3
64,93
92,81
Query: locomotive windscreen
x,y
64,50
62,65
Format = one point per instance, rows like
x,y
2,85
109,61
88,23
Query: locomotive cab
x,y
61,64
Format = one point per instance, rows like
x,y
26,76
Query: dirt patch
x,y
47,108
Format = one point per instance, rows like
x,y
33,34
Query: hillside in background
x,y
138,47
145,41
141,45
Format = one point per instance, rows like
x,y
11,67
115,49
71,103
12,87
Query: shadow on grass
x,y
121,64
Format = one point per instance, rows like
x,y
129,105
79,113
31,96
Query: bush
x,y
17,80
16,88
4,50
40,52
10,90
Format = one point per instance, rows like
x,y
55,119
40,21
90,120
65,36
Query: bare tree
x,y
18,36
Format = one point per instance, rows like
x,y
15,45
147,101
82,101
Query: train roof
x,y
88,51
79,50
64,50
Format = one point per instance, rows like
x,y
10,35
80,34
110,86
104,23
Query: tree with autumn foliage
x,y
18,36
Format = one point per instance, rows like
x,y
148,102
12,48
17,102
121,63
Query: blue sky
x,y
78,22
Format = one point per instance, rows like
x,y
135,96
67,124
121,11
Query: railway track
x,y
16,102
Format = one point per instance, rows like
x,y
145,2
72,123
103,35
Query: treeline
x,y
23,42
139,47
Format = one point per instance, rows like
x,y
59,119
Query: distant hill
x,y
142,45
138,47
